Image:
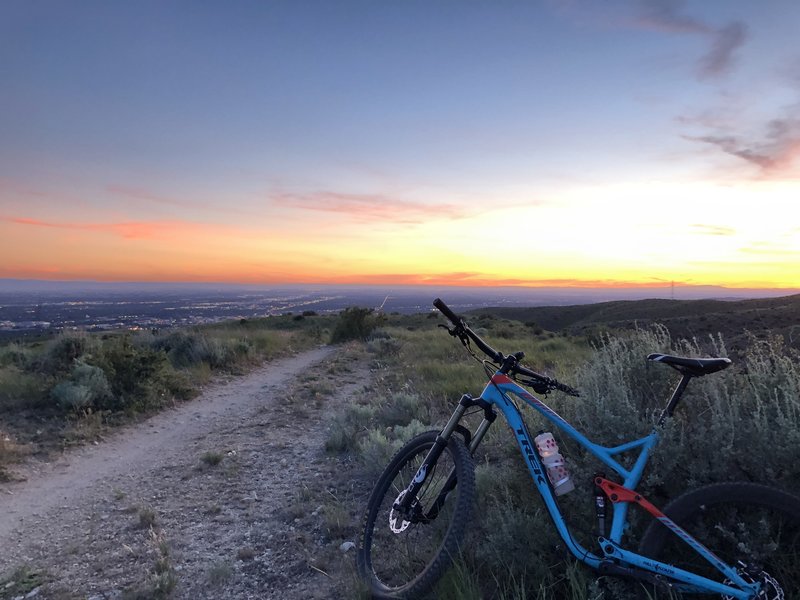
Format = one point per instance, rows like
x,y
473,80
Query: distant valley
x,y
46,306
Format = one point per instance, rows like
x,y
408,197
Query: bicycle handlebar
x,y
461,326
541,383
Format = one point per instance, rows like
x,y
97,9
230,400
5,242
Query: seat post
x,y
673,401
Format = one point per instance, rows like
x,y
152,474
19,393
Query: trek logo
x,y
526,444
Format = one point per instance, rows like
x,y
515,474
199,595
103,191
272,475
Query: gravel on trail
x,y
230,495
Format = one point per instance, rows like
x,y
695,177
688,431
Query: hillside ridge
x,y
684,318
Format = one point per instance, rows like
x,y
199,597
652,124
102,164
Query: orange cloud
x,y
128,230
371,207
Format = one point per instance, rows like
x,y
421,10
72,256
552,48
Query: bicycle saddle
x,y
695,367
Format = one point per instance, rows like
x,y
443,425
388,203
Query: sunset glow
x,y
633,143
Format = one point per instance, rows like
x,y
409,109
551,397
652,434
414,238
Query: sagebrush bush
x,y
741,423
21,389
355,323
87,388
383,347
16,355
402,408
141,379
379,445
188,348
61,352
348,427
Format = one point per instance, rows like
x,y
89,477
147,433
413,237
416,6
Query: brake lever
x,y
540,387
459,332
548,385
455,331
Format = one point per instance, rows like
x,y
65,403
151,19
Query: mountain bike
x,y
731,540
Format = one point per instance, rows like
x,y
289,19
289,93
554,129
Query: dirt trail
x,y
201,501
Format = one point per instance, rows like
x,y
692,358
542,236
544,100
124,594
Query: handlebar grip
x,y
454,318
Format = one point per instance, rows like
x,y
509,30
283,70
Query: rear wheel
x,y
746,524
400,558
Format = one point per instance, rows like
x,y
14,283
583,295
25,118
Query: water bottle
x,y
554,463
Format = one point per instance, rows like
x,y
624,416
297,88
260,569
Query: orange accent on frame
x,y
617,493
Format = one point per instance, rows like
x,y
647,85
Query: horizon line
x,y
566,284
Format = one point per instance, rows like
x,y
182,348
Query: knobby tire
x,y
406,565
747,522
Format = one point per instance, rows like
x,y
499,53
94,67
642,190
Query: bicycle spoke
x,y
401,551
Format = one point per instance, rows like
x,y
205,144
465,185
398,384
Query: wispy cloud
x,y
725,42
25,193
774,153
127,230
771,249
667,15
9,186
712,230
370,207
137,193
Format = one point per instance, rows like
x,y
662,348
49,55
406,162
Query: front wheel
x,y
749,525
398,558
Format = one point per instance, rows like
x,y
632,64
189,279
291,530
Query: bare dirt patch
x,y
229,496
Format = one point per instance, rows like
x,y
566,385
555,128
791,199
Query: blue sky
x,y
343,121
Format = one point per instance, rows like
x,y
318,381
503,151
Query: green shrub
x,y
401,409
87,388
377,447
60,353
348,427
15,354
188,348
355,324
741,423
21,389
140,378
22,581
384,348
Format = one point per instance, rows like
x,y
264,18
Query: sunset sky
x,y
568,142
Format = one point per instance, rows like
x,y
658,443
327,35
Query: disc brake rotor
x,y
396,522
770,588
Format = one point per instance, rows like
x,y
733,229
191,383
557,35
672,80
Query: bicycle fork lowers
x,y
406,504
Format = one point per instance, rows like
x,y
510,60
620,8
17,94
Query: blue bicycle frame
x,y
498,393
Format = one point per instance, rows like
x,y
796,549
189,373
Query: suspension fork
x,y
408,502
